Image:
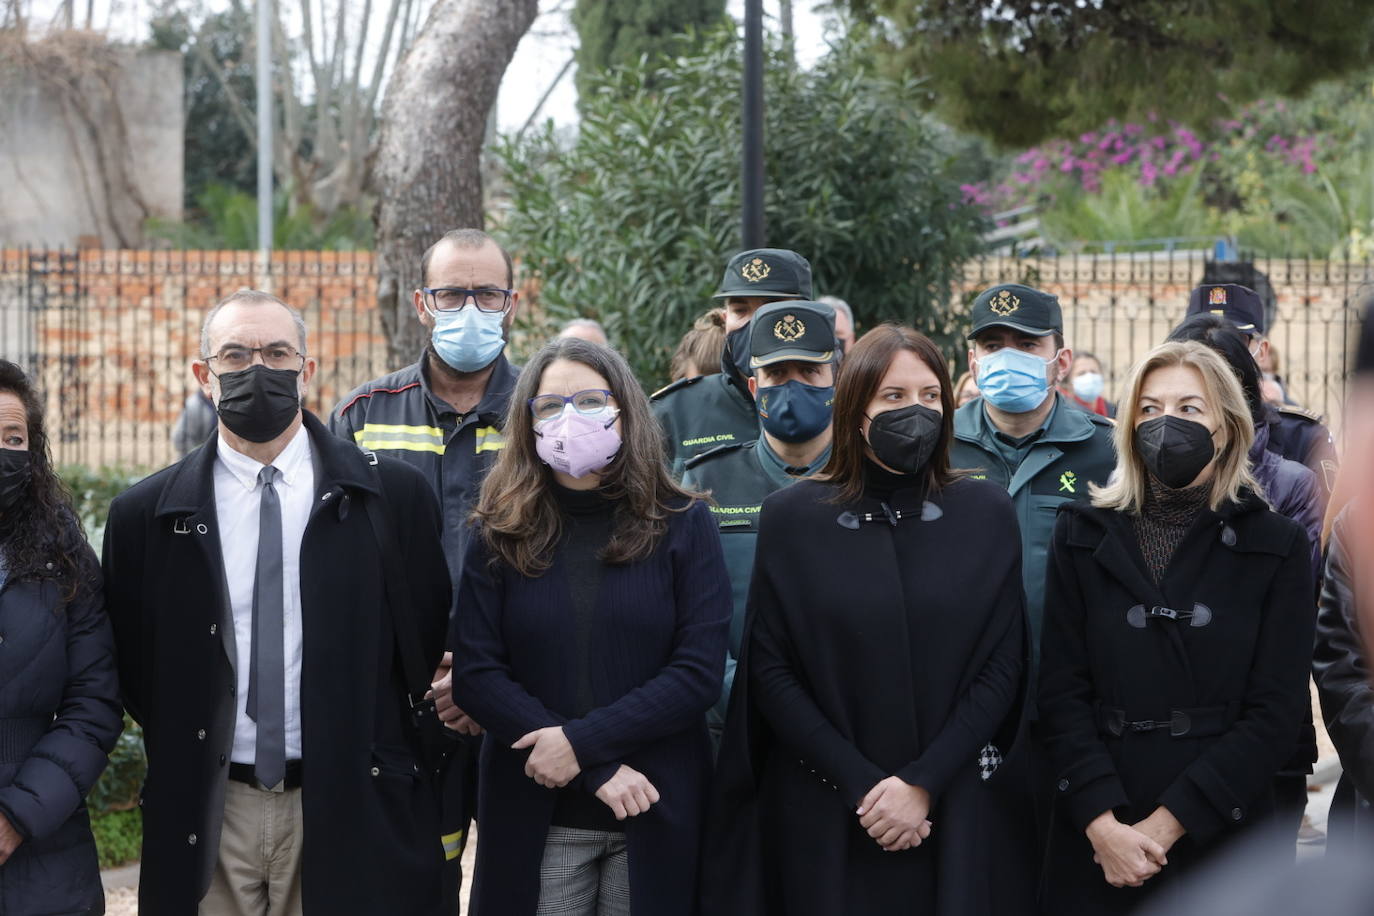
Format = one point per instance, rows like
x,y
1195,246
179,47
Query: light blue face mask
x,y
468,339
1013,380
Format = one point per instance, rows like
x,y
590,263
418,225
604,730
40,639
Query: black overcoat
x,y
870,650
371,834
1229,676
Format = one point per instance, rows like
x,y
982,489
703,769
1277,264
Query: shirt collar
x,y
1027,440
291,464
775,466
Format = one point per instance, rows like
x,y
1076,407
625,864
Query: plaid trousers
x,y
584,873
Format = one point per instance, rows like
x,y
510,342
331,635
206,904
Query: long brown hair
x,y
860,376
517,515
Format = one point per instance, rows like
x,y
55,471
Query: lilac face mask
x,y
577,443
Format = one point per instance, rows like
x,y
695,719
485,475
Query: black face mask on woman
x,y
258,403
15,468
905,438
1174,450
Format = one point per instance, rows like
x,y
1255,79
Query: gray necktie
x,y
267,668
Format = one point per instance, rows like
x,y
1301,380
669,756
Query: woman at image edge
x,y
591,638
1178,636
883,653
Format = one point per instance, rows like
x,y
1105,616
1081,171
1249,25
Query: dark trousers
x,y
458,801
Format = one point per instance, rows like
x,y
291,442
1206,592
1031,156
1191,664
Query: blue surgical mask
x,y
794,411
1088,385
468,339
1013,380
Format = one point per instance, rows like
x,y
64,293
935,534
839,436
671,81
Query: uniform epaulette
x,y
675,386
1295,411
718,450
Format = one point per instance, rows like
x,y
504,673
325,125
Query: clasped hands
x,y
441,691
895,814
1132,854
553,764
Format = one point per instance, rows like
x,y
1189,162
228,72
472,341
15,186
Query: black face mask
x,y
15,469
904,439
258,403
1174,450
735,360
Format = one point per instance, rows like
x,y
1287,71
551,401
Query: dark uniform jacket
x,y
737,478
399,416
1195,712
1299,435
59,718
701,413
1345,685
1075,450
371,832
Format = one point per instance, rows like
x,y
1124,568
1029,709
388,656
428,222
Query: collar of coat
x,y
1240,525
1067,424
339,465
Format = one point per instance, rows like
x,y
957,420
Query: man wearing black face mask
x,y
279,597
700,413
793,359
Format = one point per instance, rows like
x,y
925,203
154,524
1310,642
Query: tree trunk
x,y
427,174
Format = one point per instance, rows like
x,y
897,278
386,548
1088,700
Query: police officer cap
x,y
1011,305
800,330
1238,304
774,272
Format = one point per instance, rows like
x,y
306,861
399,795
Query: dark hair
x,y
40,536
516,512
1228,340
859,379
466,238
701,347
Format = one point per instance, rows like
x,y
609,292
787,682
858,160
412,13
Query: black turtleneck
x,y
1165,520
881,484
588,520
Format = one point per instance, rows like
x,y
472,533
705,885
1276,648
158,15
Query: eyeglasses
x,y
453,298
590,401
274,356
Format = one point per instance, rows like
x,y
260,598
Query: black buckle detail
x,y
1199,616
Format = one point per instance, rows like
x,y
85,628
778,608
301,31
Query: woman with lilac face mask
x,y
590,631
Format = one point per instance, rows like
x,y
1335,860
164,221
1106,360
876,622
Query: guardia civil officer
x,y
443,415
699,413
1296,434
870,704
1026,436
793,357
1177,641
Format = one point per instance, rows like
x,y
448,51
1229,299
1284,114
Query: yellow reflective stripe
x,y
431,431
401,444
489,439
453,845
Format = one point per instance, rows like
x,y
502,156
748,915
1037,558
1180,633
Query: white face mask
x,y
1088,385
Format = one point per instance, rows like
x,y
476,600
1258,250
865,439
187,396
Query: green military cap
x,y
773,272
801,330
1011,305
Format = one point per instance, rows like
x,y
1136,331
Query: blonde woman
x,y
1178,634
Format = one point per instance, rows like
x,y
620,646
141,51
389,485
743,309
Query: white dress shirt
x,y
238,500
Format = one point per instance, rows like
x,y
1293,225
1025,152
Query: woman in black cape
x,y
882,669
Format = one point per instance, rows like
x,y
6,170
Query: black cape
x,y
871,649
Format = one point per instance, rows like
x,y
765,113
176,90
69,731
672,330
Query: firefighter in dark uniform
x,y
444,414
793,356
1296,434
699,413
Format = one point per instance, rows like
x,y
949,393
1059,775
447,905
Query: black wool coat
x,y
59,718
371,833
1231,679
870,650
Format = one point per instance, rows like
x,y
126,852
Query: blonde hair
x,y
1125,490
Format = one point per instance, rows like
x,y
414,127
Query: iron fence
x,y
109,335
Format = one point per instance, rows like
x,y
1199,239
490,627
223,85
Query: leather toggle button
x,y
1228,536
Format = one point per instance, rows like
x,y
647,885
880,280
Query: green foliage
x,y
616,33
1124,209
1025,70
92,490
118,836
229,220
633,222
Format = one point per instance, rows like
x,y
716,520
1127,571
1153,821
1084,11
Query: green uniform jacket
x,y
1074,451
701,413
738,477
